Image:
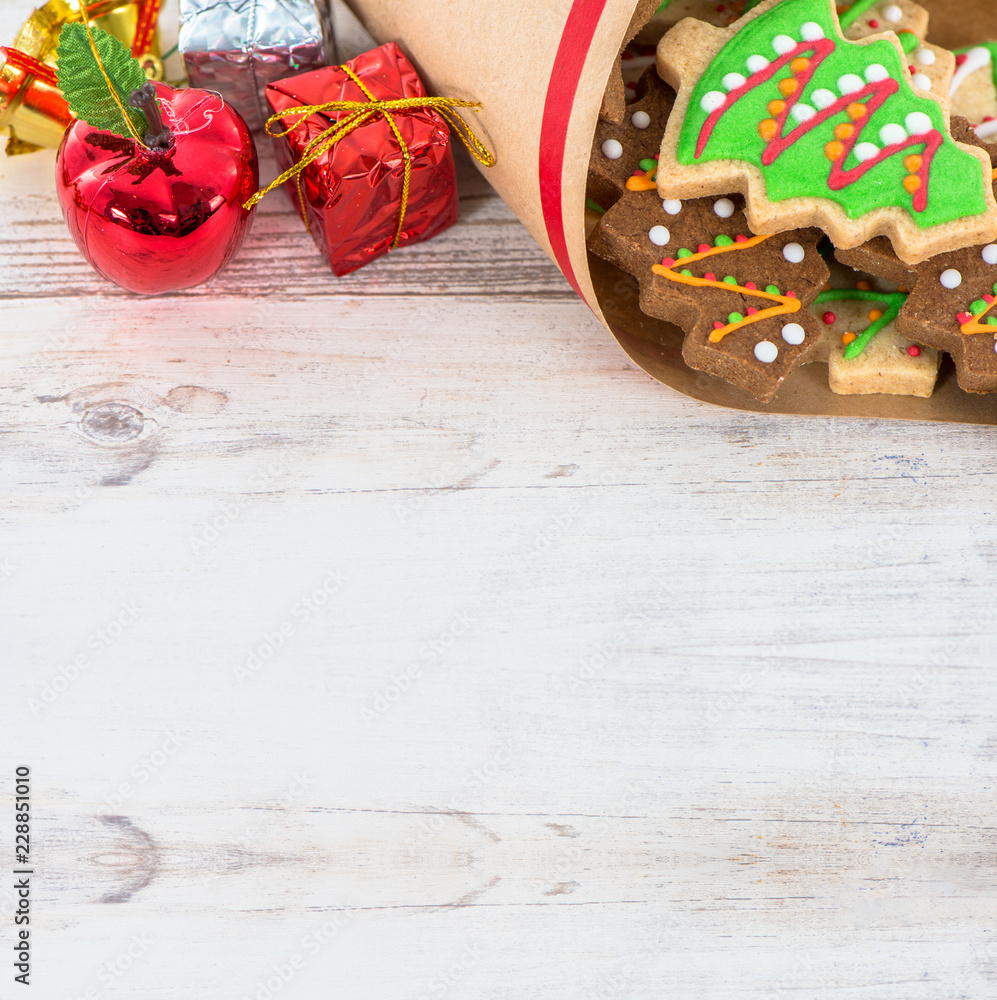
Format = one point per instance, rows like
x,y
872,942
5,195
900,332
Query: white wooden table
x,y
393,636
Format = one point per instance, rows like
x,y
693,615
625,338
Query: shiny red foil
x,y
155,222
352,193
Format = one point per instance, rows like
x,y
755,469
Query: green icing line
x,y
663,6
908,41
956,184
594,206
892,300
854,12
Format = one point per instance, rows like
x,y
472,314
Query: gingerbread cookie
x,y
861,346
867,17
973,91
817,130
614,104
741,299
877,256
953,308
619,151
931,66
932,69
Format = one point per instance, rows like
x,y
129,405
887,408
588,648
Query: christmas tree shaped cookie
x,y
866,17
953,308
816,130
741,299
974,88
863,351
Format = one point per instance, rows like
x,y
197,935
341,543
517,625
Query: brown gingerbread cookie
x,y
741,299
619,150
614,103
877,257
953,307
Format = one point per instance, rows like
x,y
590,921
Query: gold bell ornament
x,y
32,107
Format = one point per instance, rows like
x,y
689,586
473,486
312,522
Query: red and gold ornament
x,y
31,104
152,193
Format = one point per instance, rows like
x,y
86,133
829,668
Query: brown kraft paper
x,y
540,68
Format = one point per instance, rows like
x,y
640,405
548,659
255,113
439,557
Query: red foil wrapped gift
x,y
352,194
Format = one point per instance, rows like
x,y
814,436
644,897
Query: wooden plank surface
x,y
394,636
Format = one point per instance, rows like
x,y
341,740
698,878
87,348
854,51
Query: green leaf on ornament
x,y
84,87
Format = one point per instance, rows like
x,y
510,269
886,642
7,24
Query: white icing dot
x,y
766,351
757,63
893,134
640,119
866,151
893,13
811,31
990,254
672,206
659,236
918,123
724,208
849,83
925,57
921,81
794,334
803,112
712,101
823,98
733,80
794,253
612,149
950,278
876,73
783,44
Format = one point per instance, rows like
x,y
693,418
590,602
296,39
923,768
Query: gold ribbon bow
x,y
359,113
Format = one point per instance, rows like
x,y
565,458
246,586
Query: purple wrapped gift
x,y
237,47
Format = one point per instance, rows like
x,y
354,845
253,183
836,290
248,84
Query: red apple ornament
x,y
164,211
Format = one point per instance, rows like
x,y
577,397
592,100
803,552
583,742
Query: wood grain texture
x,y
393,636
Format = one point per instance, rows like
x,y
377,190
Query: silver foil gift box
x,y
237,47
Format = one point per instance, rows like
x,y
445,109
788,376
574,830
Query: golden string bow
x,y
359,113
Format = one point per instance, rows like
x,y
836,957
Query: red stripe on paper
x,y
576,39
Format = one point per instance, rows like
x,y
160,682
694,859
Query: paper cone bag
x,y
540,69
